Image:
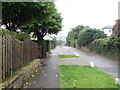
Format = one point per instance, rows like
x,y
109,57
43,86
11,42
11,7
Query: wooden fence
x,y
15,54
0,58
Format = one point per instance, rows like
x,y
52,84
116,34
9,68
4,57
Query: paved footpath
x,y
49,78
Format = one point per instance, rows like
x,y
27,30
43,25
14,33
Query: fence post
x,y
0,58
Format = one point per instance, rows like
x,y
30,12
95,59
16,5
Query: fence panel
x,y
15,54
3,56
0,58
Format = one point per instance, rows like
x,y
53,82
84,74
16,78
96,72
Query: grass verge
x,y
75,76
67,56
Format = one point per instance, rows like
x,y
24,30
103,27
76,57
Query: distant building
x,y
107,29
49,37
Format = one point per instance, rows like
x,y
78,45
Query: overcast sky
x,y
94,13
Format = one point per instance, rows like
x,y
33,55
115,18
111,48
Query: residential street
x,y
50,75
108,65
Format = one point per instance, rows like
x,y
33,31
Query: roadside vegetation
x,y
74,76
88,35
95,40
38,18
108,46
19,36
67,56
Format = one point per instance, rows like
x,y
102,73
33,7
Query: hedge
x,y
108,46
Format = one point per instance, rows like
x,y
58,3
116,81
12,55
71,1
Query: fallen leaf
x,y
74,80
34,82
26,83
74,84
14,86
45,74
29,84
33,75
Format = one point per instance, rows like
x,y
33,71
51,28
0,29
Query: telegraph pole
x,y
60,39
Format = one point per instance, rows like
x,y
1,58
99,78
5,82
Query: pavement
x,y
49,78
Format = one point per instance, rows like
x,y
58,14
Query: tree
x,y
88,35
51,25
38,17
116,28
15,14
73,35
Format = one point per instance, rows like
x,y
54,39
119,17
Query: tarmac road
x,y
49,78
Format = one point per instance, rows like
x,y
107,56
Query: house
x,y
107,29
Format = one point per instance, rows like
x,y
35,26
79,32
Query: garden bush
x,y
54,42
21,36
4,31
108,46
88,35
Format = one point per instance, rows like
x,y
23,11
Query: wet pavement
x,y
49,78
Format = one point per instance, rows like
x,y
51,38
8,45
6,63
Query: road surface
x,y
49,78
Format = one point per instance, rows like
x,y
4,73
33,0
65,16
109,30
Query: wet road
x,y
108,65
49,78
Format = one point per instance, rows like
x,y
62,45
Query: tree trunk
x,y
40,37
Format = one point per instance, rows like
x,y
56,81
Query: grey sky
x,y
94,13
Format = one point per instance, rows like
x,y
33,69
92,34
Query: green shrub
x,y
4,31
40,43
22,36
108,46
73,35
88,35
54,41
